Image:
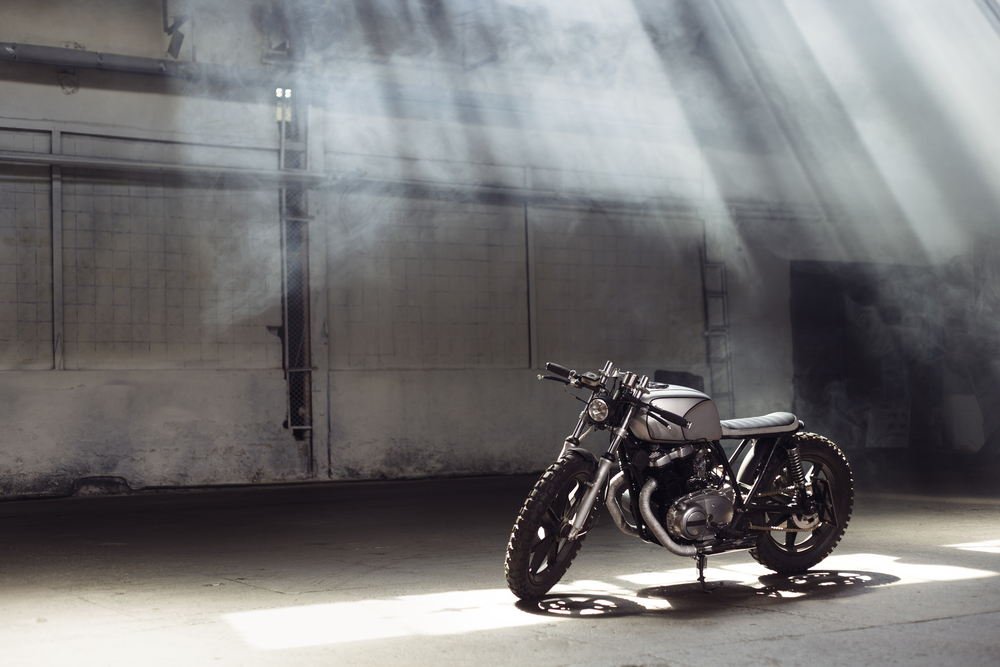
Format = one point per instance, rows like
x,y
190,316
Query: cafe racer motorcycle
x,y
665,478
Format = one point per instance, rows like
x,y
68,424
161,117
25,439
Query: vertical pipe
x,y
294,224
281,143
318,295
529,255
282,195
58,325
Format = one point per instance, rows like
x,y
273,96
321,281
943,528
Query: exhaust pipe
x,y
658,530
614,506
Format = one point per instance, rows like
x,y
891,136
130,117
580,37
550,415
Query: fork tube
x,y
589,500
574,439
600,478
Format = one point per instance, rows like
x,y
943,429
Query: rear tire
x,y
538,553
788,552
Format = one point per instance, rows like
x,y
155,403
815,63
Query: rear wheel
x,y
795,545
538,553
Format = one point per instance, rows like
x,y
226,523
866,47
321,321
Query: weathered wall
x,y
405,423
166,428
500,185
438,307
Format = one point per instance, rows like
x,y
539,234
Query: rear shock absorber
x,y
795,468
798,477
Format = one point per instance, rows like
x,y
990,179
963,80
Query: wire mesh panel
x,y
298,356
25,268
295,271
621,285
161,273
294,159
424,283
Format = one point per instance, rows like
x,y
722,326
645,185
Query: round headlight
x,y
598,410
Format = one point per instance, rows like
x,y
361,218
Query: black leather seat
x,y
752,427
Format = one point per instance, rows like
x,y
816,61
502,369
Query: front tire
x,y
789,552
538,553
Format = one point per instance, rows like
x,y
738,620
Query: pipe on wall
x,y
113,62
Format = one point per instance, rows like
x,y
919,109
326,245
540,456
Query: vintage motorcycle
x,y
788,503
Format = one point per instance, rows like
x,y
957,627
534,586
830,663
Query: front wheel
x,y
792,547
538,553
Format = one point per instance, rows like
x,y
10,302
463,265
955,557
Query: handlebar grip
x,y
670,416
557,369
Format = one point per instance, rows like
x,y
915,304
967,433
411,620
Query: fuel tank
x,y
691,404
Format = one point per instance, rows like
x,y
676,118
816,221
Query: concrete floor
x,y
411,573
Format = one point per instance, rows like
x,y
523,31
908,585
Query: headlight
x,y
598,410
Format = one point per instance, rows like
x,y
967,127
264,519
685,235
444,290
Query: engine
x,y
693,499
699,515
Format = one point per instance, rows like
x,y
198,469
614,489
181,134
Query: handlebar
x,y
568,377
558,370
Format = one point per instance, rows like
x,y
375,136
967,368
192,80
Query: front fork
x,y
600,478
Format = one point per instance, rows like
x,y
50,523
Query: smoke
x,y
856,131
859,132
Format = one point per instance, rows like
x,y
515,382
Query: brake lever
x,y
554,378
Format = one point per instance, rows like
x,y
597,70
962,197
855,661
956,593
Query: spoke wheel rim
x,y
549,546
788,541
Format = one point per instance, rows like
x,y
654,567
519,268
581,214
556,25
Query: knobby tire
x,y
790,552
537,554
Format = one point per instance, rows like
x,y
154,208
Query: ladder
x,y
718,352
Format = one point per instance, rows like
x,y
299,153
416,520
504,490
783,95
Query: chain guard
x,y
806,523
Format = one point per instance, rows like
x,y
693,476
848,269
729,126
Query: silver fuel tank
x,y
691,404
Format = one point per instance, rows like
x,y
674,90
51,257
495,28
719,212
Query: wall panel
x,y
161,273
418,283
25,264
620,285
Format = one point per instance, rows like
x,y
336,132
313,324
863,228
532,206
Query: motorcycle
x,y
788,503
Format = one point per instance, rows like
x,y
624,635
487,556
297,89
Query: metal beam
x,y
320,180
113,164
58,320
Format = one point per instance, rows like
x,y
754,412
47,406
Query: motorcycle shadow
x,y
690,599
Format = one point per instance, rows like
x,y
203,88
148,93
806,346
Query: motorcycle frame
x,y
742,504
736,537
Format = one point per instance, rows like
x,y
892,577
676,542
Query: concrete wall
x,y
495,186
166,428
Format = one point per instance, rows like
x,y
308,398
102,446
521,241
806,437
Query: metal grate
x,y
292,131
298,357
295,277
25,269
450,277
160,273
295,199
294,159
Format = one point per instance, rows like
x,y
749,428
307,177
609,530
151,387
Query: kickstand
x,y
707,588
